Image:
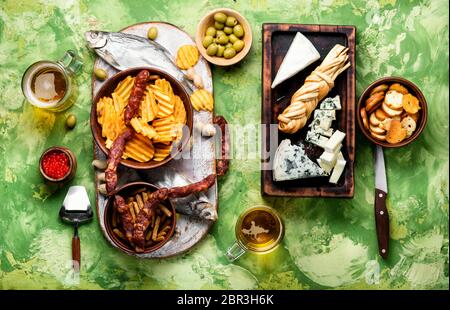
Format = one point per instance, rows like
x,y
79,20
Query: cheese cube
x,y
328,158
326,167
325,123
334,141
337,171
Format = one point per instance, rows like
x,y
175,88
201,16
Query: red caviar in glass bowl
x,y
58,164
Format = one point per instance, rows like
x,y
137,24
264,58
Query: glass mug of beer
x,y
49,84
259,230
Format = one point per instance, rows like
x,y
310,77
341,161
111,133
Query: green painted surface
x,y
329,243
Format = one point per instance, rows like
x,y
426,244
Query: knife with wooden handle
x,y
381,213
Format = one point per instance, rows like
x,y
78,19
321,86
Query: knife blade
x,y
381,213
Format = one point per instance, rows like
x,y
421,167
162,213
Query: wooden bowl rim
x,y
414,90
220,61
116,240
119,77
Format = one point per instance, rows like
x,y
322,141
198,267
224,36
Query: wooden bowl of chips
x,y
161,228
365,110
159,134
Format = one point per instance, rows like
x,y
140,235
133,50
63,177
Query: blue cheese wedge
x,y
318,129
301,53
317,139
331,114
331,103
291,163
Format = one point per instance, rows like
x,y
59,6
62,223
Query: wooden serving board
x,y
276,41
189,230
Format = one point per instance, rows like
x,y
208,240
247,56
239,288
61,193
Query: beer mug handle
x,y
70,62
235,251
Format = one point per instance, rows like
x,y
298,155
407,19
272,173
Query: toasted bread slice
x,y
374,102
411,104
363,114
399,88
396,132
379,89
374,120
380,114
391,112
377,130
394,100
409,124
378,137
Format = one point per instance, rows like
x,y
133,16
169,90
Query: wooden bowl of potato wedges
x,y
162,125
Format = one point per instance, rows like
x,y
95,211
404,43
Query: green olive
x,y
212,49
211,31
238,45
71,121
220,17
229,44
100,74
232,38
229,53
218,26
152,33
220,50
238,31
228,30
207,41
222,39
231,21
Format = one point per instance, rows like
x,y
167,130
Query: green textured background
x,y
329,243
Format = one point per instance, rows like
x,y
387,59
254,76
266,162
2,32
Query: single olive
x,y
231,21
212,49
152,33
229,53
211,31
238,31
229,44
71,121
232,38
238,45
228,30
207,41
218,25
100,74
220,50
222,39
220,17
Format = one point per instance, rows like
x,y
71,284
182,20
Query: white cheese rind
x,y
301,53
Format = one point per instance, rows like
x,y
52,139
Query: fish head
x,y
96,39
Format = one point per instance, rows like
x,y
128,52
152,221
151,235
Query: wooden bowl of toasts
x,y
392,112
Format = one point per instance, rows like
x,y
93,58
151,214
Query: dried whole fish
x,y
123,51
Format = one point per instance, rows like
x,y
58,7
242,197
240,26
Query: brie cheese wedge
x,y
291,163
300,54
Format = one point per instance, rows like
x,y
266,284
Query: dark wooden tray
x,y
276,41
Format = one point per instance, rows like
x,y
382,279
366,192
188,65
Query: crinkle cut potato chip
x,y
161,151
187,57
202,99
158,123
179,112
142,127
139,148
123,89
165,101
148,108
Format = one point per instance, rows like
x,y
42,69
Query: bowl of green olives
x,y
223,37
